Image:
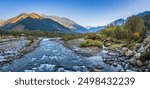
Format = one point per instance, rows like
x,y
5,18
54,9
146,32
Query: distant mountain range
x,y
42,22
119,22
114,23
143,14
95,29
35,21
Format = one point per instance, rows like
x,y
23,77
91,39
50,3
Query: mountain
x,y
143,14
68,23
118,22
2,22
32,22
114,23
95,29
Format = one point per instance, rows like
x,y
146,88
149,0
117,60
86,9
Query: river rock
x,y
132,61
124,49
137,46
104,60
137,56
147,41
146,70
139,63
115,64
110,62
129,71
97,70
147,62
121,70
100,67
143,68
129,53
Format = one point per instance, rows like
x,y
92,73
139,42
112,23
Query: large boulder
x,y
147,41
139,63
145,46
132,61
137,56
129,53
124,49
141,49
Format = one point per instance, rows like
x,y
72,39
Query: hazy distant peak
x,y
120,22
88,27
144,13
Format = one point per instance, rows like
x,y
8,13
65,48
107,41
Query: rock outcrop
x,y
141,57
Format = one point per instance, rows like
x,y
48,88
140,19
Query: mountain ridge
x,y
33,21
46,23
67,23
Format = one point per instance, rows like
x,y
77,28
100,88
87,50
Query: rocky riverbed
x,y
56,55
15,48
128,60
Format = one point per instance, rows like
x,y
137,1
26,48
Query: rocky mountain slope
x,y
35,21
67,23
2,22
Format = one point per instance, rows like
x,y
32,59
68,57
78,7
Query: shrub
x,y
91,43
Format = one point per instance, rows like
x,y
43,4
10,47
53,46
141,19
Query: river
x,y
51,56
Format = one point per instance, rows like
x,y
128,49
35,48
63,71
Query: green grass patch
x,y
91,43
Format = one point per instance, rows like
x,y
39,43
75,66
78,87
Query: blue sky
x,y
84,12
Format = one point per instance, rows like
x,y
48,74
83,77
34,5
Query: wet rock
x,y
132,61
104,60
146,70
129,53
143,68
115,64
147,41
110,62
139,63
61,70
100,67
126,66
97,70
79,68
129,71
147,62
121,70
124,49
137,56
136,47
148,66
135,69
141,49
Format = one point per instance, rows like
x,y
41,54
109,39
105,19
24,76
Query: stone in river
x,y
115,64
146,70
137,56
139,63
100,67
132,61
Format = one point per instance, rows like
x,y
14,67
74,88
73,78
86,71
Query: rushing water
x,y
52,56
11,48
